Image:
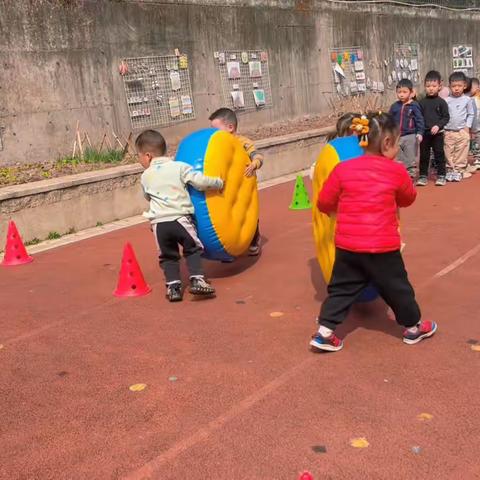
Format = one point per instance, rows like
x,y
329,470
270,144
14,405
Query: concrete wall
x,y
59,58
81,201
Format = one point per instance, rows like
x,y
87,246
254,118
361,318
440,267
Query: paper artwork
x,y
233,69
259,97
175,80
187,107
174,106
255,69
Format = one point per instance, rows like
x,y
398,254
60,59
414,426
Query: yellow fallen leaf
x,y
276,314
360,442
424,417
1,346
137,387
475,348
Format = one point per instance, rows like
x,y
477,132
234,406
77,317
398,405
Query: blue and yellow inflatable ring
x,y
334,152
226,221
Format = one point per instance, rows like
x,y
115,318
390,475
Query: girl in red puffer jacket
x,y
365,194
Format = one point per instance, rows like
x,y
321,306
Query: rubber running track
x,y
232,392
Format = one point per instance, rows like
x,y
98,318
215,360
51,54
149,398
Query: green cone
x,y
300,199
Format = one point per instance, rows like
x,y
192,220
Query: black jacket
x,y
435,112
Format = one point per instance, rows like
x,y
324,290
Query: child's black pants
x,y
169,236
436,143
352,272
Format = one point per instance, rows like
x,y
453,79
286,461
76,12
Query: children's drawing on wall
x,y
463,59
259,96
158,90
233,69
238,99
174,105
175,80
403,63
255,68
187,107
348,68
245,79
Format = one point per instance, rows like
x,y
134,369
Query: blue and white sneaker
x,y
449,176
328,344
425,329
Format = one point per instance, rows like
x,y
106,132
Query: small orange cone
x,y
15,252
130,280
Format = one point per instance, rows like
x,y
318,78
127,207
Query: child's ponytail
x,y
372,128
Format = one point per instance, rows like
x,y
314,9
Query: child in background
x,y
366,254
475,93
342,129
435,113
408,115
164,184
226,119
457,130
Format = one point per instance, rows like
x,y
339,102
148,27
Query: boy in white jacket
x,y
164,184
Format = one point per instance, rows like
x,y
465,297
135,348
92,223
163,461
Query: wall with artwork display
x,y
158,90
462,59
310,55
403,64
245,79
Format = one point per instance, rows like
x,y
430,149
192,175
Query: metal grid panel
x,y
405,64
153,97
356,81
462,59
245,85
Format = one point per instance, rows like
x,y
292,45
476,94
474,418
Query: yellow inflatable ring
x,y
338,150
226,221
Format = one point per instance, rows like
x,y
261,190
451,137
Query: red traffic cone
x,y
306,476
130,280
15,252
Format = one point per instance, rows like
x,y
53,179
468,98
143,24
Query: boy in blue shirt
x,y
409,118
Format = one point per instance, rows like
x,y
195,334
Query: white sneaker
x,y
449,177
457,176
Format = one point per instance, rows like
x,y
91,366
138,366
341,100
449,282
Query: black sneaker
x,y
199,286
174,292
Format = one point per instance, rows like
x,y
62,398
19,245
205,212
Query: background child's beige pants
x,y
456,150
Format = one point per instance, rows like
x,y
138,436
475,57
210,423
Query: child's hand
x,y
419,138
250,170
435,130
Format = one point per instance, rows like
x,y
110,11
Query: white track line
x,y
459,261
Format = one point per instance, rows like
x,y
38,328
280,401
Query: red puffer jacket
x,y
365,193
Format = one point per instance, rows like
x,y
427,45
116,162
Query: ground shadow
x,y
238,266
368,315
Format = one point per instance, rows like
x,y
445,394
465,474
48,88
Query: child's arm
x,y
419,121
470,114
327,201
199,181
256,158
444,115
144,189
406,194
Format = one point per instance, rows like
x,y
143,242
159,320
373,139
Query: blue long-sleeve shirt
x,y
461,113
409,117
